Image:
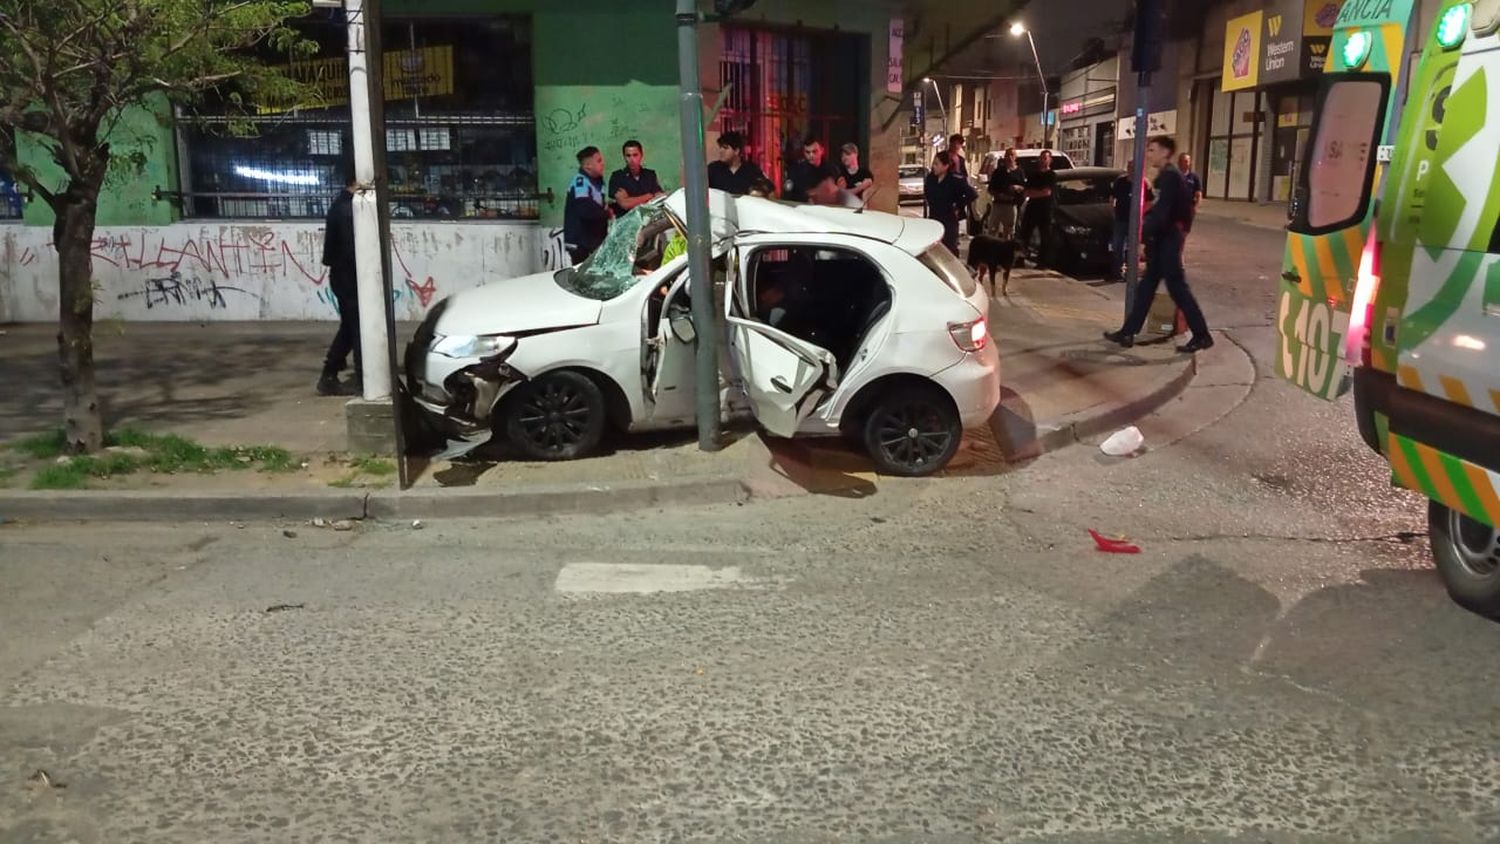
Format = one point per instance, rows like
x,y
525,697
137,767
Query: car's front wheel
x,y
1467,553
558,416
912,431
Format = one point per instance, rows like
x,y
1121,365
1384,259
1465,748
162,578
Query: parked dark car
x,y
1082,221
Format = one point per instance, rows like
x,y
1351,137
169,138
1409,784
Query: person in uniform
x,y
585,217
633,185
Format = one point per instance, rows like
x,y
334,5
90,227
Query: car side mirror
x,y
683,330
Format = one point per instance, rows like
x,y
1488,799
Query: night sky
x,y
1060,27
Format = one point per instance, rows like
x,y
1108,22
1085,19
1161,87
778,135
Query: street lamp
x,y
939,91
1018,29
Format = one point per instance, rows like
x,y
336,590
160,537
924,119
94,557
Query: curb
x,y
1077,427
142,506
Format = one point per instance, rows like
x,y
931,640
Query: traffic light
x,y
1150,32
725,8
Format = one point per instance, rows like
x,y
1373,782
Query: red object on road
x,y
1113,546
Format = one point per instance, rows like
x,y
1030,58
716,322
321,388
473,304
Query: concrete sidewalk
x,y
1264,215
251,384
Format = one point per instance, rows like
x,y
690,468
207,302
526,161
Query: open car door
x,y
783,377
1329,240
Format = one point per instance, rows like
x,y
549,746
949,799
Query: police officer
x,y
585,218
634,185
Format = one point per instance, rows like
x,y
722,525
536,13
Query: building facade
x,y
1087,113
487,103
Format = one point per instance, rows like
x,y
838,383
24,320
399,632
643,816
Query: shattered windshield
x,y
631,251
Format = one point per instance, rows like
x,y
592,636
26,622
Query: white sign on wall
x,y
1159,123
895,66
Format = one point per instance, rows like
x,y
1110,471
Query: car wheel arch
x,y
859,407
616,405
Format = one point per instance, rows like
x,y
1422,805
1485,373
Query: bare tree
x,y
69,70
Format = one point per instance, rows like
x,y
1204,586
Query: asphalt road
x,y
937,661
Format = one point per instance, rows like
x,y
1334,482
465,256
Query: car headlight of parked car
x,y
484,346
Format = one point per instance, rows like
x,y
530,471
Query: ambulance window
x,y
1346,134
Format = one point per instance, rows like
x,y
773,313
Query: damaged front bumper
x,y
458,394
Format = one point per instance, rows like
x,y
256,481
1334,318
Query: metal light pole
x,y
1018,29
695,184
947,124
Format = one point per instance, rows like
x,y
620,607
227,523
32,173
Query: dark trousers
x,y
950,235
1164,263
347,338
1037,216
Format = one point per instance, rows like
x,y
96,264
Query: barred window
x,y
460,139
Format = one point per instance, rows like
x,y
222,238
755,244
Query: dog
x,y
991,256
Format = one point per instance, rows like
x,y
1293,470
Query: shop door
x,y
1104,143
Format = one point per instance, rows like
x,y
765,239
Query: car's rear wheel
x,y
559,416
1467,553
912,431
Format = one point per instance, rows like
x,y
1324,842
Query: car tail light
x,y
1362,307
970,336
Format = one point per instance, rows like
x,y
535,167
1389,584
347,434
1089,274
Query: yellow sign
x,y
1273,26
409,74
1242,51
1319,16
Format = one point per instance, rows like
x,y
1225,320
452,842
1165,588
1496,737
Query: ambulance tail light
x,y
1357,344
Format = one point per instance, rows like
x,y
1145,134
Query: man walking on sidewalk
x,y
1164,232
338,257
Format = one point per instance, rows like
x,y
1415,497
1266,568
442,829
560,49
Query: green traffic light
x,y
1453,26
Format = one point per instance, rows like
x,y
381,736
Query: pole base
x,y
372,426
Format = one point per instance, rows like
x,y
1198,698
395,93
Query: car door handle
x,y
780,383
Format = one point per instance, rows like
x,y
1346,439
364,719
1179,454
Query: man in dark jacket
x,y
338,257
1164,232
585,217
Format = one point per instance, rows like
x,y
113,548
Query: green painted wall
x,y
126,200
603,79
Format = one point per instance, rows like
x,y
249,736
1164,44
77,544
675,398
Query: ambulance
x,y
1391,279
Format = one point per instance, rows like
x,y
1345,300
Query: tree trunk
x,y
74,240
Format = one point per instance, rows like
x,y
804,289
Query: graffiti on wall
x,y
256,271
555,252
175,289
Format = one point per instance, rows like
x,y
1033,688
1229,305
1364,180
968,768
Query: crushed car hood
x,y
516,305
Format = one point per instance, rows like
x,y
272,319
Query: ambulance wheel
x,y
1467,553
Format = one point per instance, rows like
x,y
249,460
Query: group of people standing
x,y
950,196
591,203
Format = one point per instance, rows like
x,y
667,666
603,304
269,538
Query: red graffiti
x,y
424,291
233,252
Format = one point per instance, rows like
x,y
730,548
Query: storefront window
x,y
460,139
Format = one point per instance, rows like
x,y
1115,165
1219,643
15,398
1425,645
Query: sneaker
x,y
329,385
1120,338
1197,344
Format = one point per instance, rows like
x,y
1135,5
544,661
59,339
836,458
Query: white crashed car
x,y
838,323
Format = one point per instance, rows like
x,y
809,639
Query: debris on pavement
x,y
42,779
417,524
343,525
319,522
289,534
285,607
1124,442
1113,546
